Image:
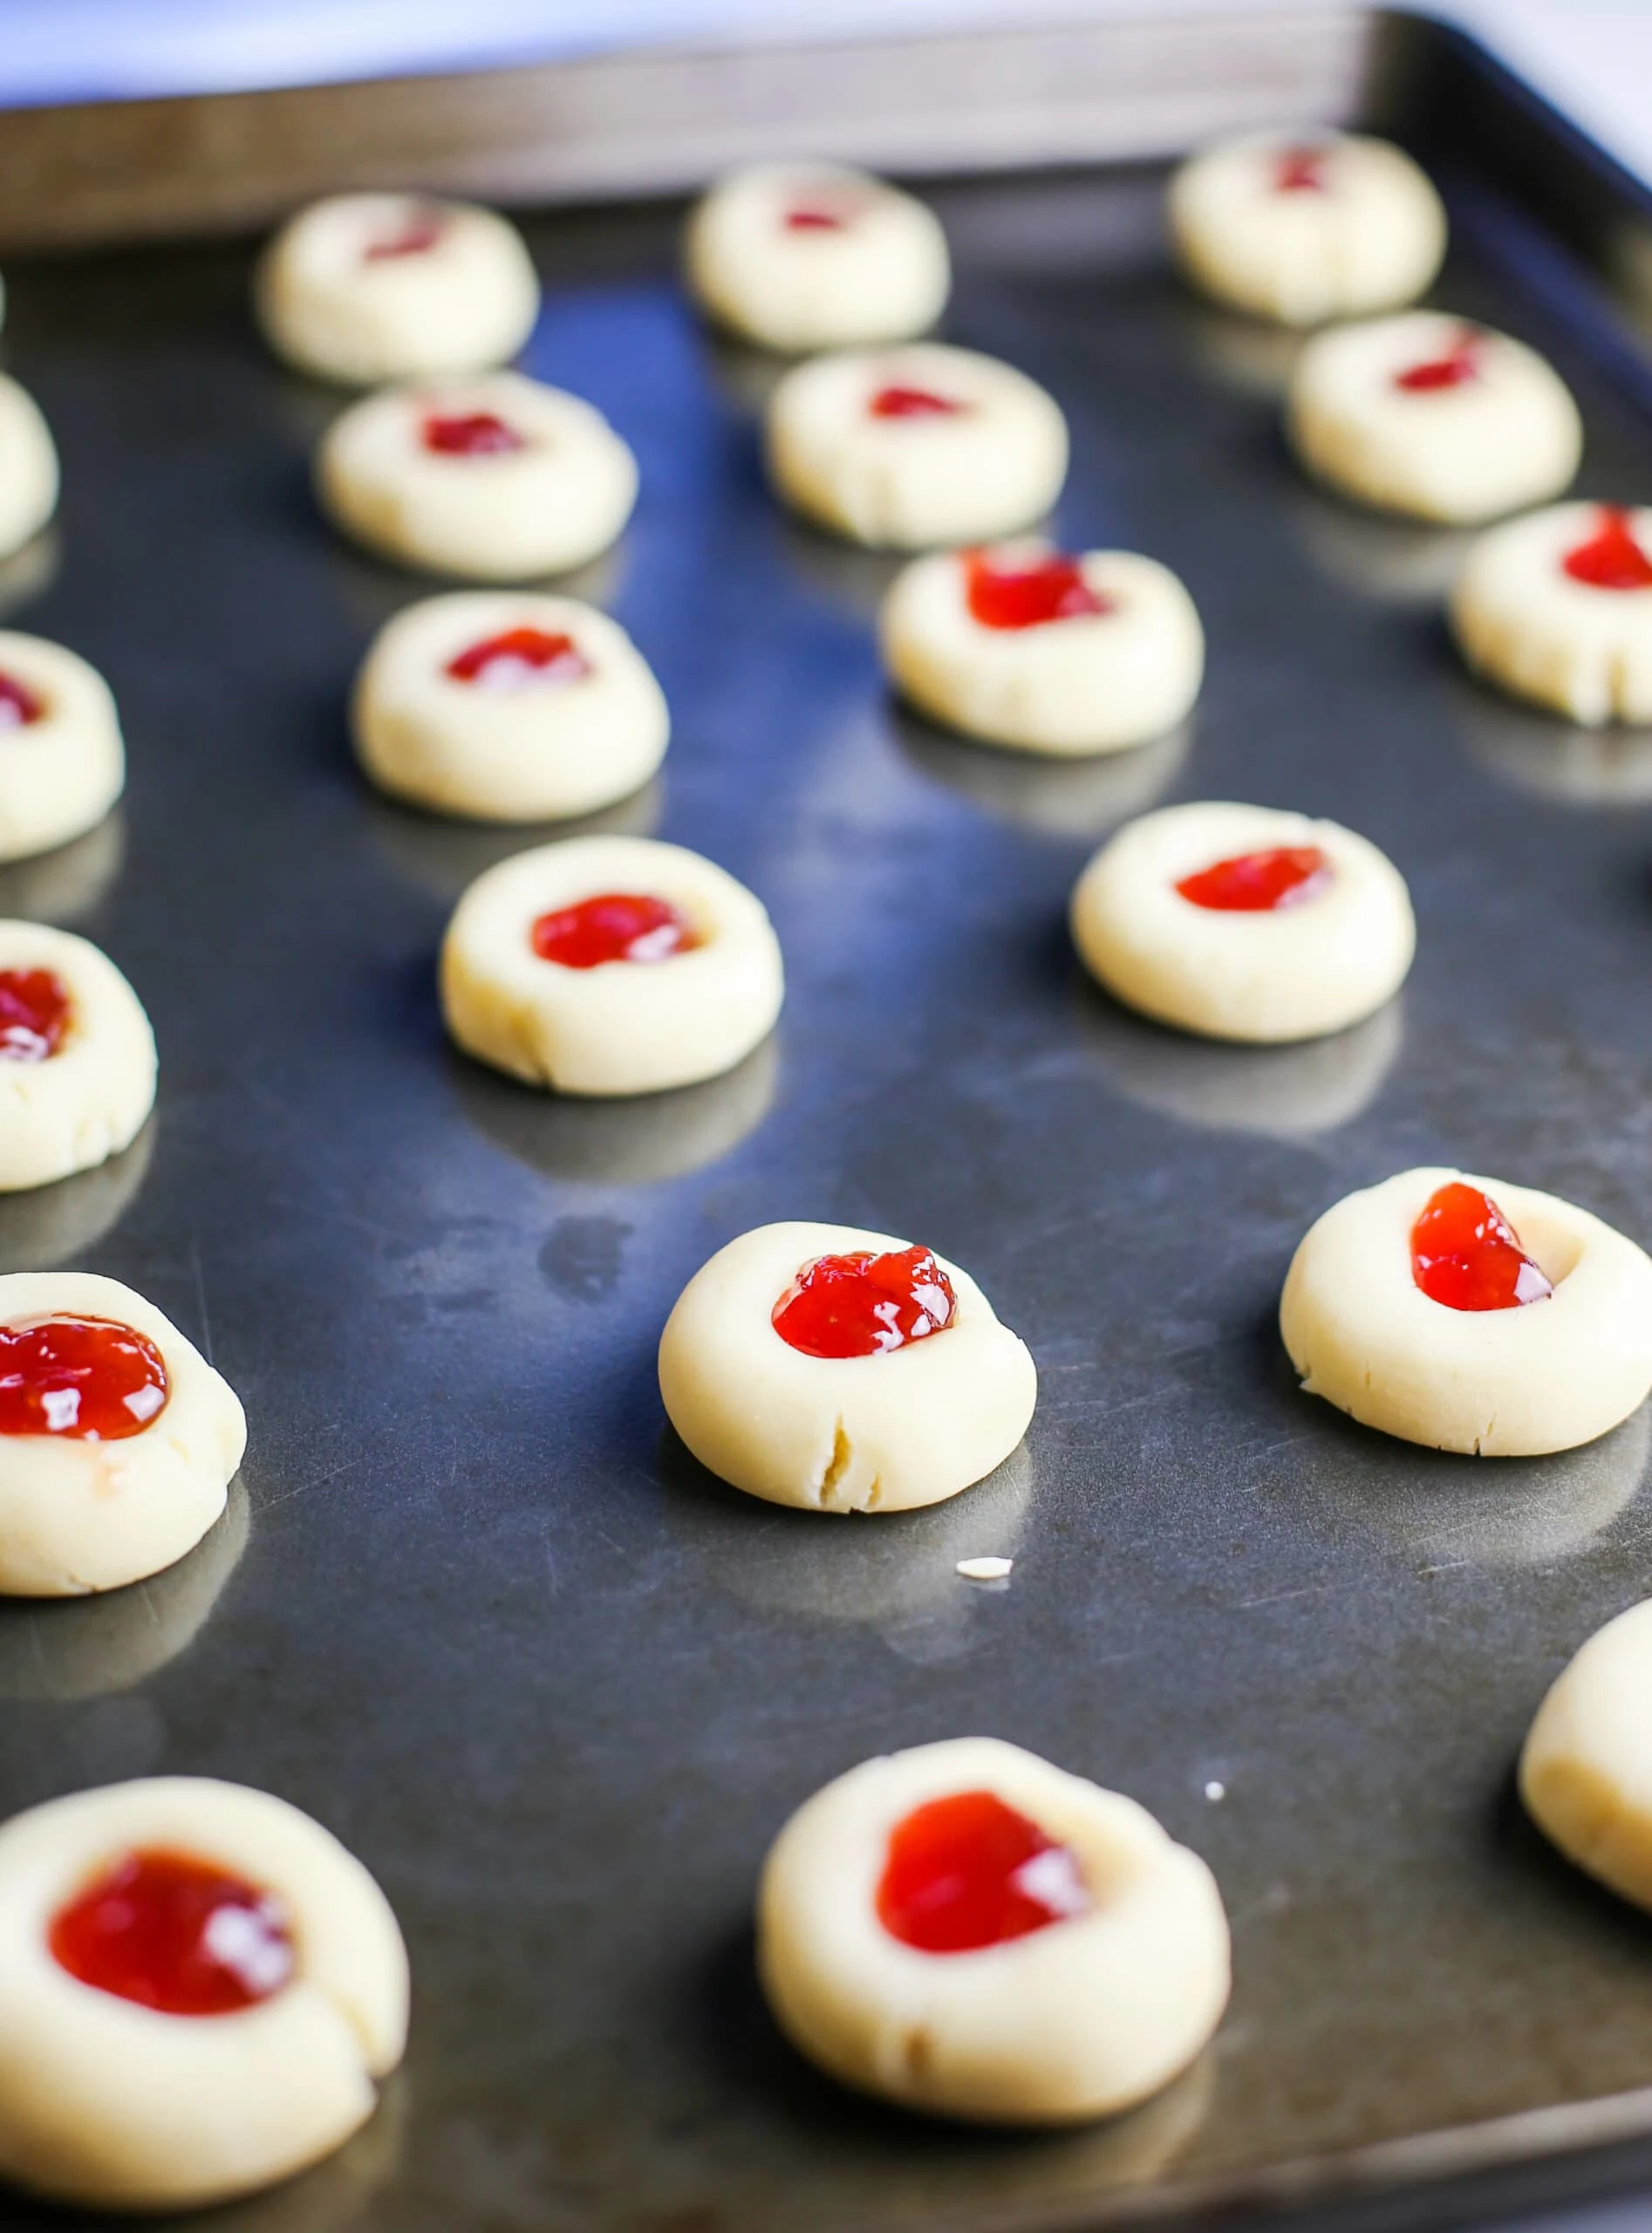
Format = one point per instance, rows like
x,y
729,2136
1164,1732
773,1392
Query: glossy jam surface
x,y
18,704
84,1379
614,927
1466,1254
1610,558
816,217
898,402
1258,884
1459,365
419,232
470,433
863,1306
34,1014
1300,170
517,659
967,1871
1029,596
174,1934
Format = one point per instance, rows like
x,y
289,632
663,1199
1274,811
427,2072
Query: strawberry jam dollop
x,y
1466,1254
86,1379
34,1014
174,1934
815,217
420,231
1458,366
862,1305
613,926
1029,596
897,401
1258,884
19,705
470,433
1611,558
967,1871
1300,170
517,658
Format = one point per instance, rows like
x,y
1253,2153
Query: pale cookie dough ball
x,y
1427,415
1242,922
1023,646
202,1988
77,1056
1546,1341
62,763
507,707
500,480
1307,228
902,448
366,288
118,1440
966,1929
1557,607
28,468
1586,1770
839,1370
609,965
800,257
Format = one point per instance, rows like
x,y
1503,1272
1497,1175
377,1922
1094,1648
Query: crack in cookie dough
x,y
1307,228
800,259
857,1433
367,288
1487,1382
1097,2005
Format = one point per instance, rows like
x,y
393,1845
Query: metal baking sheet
x,y
474,1607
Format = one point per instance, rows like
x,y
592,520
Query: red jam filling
x,y
470,433
1611,559
968,1871
174,1934
1256,884
614,927
1459,365
518,657
1029,596
1300,170
89,1379
420,232
34,1014
18,704
1466,1254
863,1306
898,402
815,217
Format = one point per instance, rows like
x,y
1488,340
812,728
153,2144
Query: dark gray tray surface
x,y
481,1615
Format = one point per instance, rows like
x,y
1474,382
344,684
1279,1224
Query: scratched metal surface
x,y
477,1612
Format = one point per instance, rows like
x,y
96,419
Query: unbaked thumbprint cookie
x,y
1244,922
62,761
203,1990
799,257
838,1370
966,1929
1022,645
118,1440
1432,416
1557,608
77,1056
506,707
1306,226
1470,1315
609,965
28,476
366,288
1586,1768
497,480
902,448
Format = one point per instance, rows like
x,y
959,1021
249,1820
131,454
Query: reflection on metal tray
x,y
480,1613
